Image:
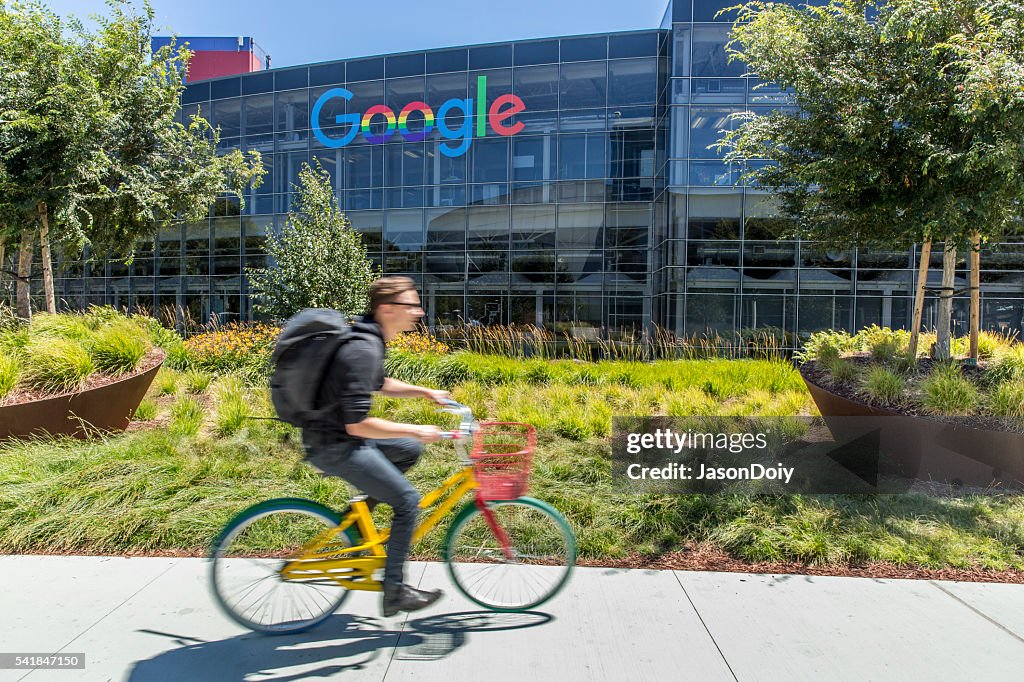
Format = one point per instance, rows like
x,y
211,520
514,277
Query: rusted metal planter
x,y
928,449
102,409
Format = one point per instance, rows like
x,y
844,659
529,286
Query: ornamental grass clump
x,y
118,348
56,365
145,412
1008,400
186,416
946,391
196,381
884,386
10,370
843,371
231,410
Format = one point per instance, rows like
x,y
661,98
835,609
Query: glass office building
x,y
569,182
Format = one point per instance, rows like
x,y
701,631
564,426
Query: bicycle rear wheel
x,y
542,547
248,558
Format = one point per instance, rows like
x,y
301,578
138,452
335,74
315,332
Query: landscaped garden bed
x,y
73,374
201,450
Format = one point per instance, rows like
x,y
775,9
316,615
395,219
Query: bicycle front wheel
x,y
538,562
248,558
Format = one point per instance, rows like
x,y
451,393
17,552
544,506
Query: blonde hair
x,y
387,289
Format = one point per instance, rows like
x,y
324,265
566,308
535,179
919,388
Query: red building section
x,y
214,57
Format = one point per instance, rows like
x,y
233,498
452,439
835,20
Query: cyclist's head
x,y
395,304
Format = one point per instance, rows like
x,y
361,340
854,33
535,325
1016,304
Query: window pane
x,y
633,81
536,86
583,85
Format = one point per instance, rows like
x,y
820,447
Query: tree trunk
x,y
24,272
44,243
3,244
975,293
922,281
945,311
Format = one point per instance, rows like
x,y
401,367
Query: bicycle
x,y
504,551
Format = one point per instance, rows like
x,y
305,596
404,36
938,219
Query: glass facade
x,y
608,209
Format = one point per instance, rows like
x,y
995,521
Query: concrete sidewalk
x,y
147,619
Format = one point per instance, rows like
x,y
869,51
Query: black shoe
x,y
404,597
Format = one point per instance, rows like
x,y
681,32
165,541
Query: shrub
x,y
186,416
947,391
196,381
145,411
418,342
56,365
1008,399
118,348
825,345
10,369
882,385
883,343
414,368
236,348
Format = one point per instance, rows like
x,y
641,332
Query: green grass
x,y
167,381
186,416
174,486
232,410
145,412
118,349
1008,399
56,365
947,391
884,386
197,381
10,370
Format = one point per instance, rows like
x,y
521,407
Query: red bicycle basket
x,y
502,454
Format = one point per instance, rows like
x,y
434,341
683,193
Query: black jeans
x,y
376,467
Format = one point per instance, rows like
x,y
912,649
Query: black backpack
x,y
302,356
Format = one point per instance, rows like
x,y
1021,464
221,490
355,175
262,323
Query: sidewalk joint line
x,y
104,616
706,628
979,612
401,632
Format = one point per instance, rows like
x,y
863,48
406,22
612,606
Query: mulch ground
x,y
710,558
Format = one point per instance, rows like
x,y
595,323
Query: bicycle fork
x,y
492,523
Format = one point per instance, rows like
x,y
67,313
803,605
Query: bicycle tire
x,y
544,547
229,563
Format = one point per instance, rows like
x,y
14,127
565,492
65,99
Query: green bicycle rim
x,y
470,510
255,512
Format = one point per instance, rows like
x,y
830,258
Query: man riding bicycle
x,y
372,453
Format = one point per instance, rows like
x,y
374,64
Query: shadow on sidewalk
x,y
342,643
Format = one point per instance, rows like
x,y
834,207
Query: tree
x,y
159,172
49,108
89,142
318,260
908,128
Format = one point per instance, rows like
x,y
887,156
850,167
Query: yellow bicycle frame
x,y
320,560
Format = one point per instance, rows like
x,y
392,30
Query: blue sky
x,y
305,31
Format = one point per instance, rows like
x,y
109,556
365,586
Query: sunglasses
x,y
410,305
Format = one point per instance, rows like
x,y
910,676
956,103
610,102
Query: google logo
x,y
501,109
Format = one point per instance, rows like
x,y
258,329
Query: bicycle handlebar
x,y
467,424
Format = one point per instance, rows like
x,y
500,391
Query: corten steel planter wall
x,y
105,408
928,449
